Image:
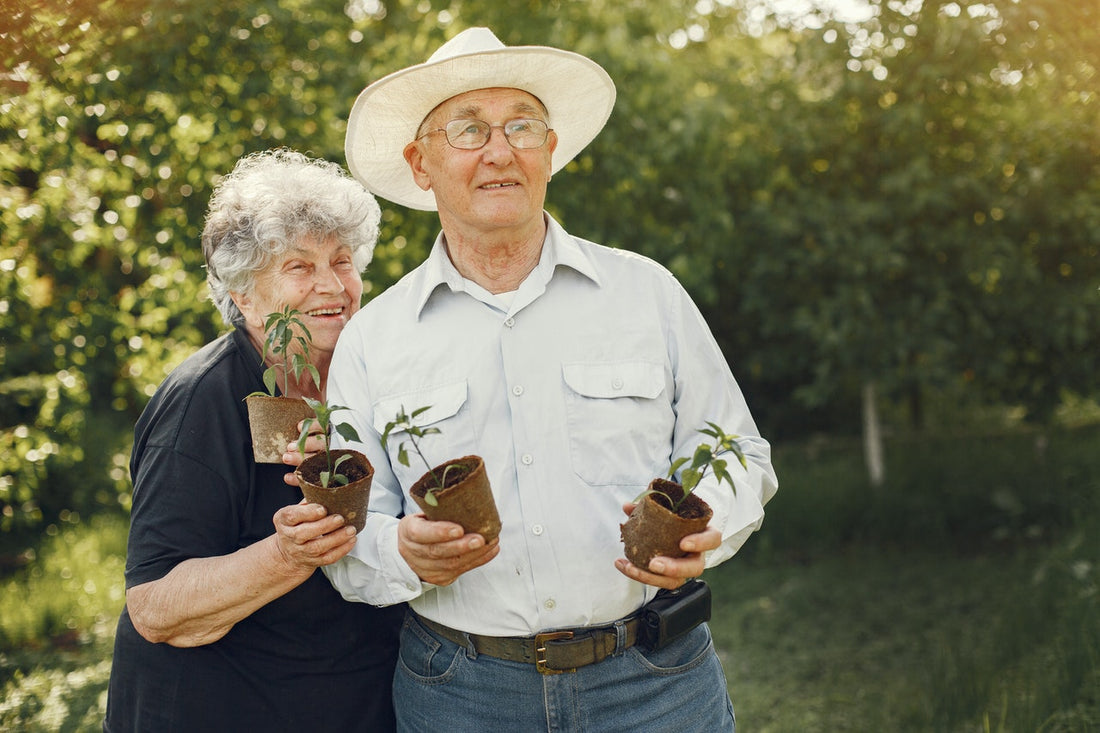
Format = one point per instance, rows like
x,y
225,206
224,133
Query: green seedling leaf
x,y
403,421
284,329
347,431
269,380
647,492
706,457
323,419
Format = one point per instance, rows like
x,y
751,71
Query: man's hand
x,y
439,552
672,572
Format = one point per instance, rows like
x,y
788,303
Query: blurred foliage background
x,y
888,210
887,200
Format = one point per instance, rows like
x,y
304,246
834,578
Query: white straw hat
x,y
576,91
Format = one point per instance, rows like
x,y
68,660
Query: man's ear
x,y
414,156
551,145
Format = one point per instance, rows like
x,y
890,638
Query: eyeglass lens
x,y
473,134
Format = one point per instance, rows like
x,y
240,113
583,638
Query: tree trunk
x,y
872,437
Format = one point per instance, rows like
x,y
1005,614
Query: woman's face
x,y
316,277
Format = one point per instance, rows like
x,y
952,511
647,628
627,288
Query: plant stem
x,y
416,447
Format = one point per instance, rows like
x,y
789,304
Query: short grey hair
x,y
268,203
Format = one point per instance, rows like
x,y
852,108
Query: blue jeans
x,y
440,685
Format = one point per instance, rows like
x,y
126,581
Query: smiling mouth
x,y
319,312
499,185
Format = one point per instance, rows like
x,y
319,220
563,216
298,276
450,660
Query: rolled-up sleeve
x,y
371,573
706,391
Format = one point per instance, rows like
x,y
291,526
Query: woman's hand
x,y
293,457
201,598
308,537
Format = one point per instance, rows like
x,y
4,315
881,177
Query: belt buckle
x,y
540,651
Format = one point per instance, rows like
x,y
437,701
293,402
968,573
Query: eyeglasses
x,y
522,134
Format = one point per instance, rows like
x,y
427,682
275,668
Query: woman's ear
x,y
247,306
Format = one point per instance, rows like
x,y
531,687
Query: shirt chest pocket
x,y
446,411
619,419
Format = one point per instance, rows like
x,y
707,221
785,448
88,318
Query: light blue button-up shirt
x,y
576,393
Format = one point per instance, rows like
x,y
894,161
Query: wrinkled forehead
x,y
473,104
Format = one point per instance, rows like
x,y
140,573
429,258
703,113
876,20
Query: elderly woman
x,y
229,624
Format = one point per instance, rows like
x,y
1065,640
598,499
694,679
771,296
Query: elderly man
x,y
577,372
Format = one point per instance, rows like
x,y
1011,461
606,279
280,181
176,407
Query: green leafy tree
x,y
908,201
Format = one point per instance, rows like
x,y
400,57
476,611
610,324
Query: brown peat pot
x,y
465,499
349,501
654,529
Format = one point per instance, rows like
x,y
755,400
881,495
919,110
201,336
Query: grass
x,y
910,641
964,595
57,620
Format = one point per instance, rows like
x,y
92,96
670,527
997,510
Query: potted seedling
x,y
337,479
667,511
456,491
272,417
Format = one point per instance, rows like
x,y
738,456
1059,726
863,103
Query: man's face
x,y
494,187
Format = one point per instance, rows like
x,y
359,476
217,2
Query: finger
x,y
303,522
633,572
670,580
324,544
708,539
337,552
628,508
295,514
314,444
314,427
323,549
683,568
294,458
421,530
451,551
444,571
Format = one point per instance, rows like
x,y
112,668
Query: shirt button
x,y
617,383
550,603
536,530
509,322
527,459
517,390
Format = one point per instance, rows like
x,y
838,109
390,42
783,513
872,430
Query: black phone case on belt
x,y
671,614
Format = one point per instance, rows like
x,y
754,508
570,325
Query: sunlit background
x,y
888,210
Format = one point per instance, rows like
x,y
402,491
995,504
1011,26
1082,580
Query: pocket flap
x,y
442,401
612,379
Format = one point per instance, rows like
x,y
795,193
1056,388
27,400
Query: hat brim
x,y
577,93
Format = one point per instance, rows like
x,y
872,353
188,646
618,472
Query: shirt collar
x,y
559,249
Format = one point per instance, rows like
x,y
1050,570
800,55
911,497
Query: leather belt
x,y
552,652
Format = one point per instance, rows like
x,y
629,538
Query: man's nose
x,y
497,145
